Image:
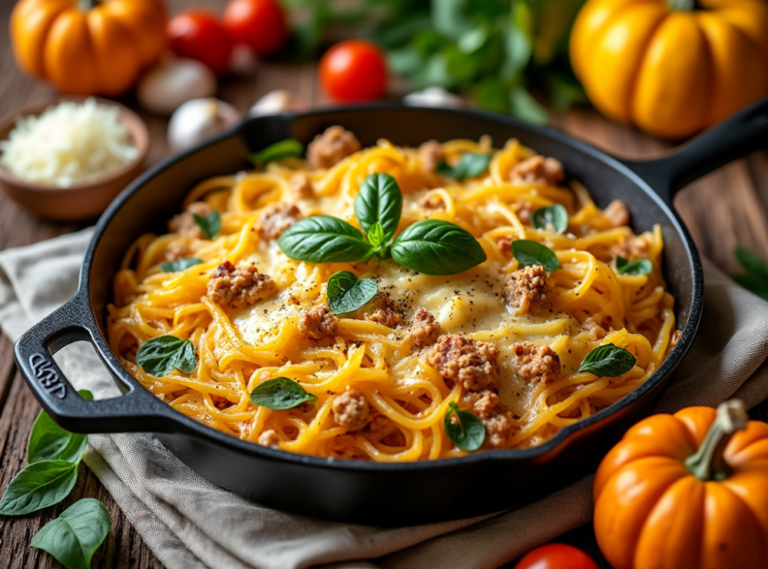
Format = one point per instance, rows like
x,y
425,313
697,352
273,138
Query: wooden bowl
x,y
80,201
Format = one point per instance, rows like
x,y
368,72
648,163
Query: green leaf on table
x,y
48,441
756,278
608,361
466,431
437,247
280,394
210,225
640,267
551,218
379,201
76,534
525,107
348,294
471,165
288,148
180,264
530,253
38,486
161,355
324,239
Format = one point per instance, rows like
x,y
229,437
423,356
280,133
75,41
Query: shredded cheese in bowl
x,y
70,143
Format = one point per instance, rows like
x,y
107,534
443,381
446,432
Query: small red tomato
x,y
556,556
197,34
259,24
354,70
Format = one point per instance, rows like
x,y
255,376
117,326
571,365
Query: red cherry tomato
x,y
197,34
556,556
259,24
354,70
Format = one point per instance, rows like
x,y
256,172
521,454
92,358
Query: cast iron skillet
x,y
365,491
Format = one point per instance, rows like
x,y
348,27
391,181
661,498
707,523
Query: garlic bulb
x,y
273,103
433,97
171,82
196,120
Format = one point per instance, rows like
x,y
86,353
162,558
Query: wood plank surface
x,y
722,210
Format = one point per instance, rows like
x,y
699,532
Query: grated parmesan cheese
x,y
70,143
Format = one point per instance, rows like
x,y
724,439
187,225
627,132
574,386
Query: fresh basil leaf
x,y
324,239
76,534
530,253
755,284
468,432
376,235
554,216
38,486
210,225
288,148
751,262
608,361
180,264
160,356
379,201
436,247
625,267
347,294
471,165
525,107
280,394
48,441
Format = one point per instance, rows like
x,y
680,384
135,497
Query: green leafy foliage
x,y
76,534
755,279
640,267
348,294
529,253
437,247
466,431
160,356
48,441
379,201
552,218
288,148
608,361
324,239
38,486
280,394
471,165
210,225
180,264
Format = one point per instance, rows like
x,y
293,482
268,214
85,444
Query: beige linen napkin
x,y
190,523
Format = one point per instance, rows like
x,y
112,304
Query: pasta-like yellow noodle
x,y
238,349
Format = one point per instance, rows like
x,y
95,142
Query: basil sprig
x,y
467,432
48,441
471,165
347,294
529,253
432,247
608,361
160,356
288,148
625,267
180,264
210,225
280,394
554,217
76,534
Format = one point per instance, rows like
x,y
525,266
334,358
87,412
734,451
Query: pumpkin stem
x,y
87,5
709,463
682,5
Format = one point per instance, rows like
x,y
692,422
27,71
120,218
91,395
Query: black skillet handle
x,y
741,134
136,411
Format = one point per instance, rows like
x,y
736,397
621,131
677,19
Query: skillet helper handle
x,y
136,411
744,132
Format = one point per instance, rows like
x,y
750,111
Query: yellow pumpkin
x,y
671,67
88,47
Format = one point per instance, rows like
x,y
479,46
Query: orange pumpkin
x,y
88,47
686,491
671,67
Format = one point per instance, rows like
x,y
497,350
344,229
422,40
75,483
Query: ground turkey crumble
x,y
538,170
184,223
423,329
526,290
351,410
301,186
537,363
431,154
317,323
498,423
269,439
177,250
472,363
239,286
617,213
331,147
384,312
277,218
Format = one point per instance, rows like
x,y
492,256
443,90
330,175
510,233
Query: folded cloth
x,y
191,523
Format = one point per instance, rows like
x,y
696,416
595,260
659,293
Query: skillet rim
x,y
553,446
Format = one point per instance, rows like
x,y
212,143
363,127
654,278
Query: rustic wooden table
x,y
726,208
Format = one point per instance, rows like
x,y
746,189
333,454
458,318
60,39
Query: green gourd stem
x,y
682,5
86,5
709,461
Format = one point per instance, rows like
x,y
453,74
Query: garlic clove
x,y
173,81
273,103
198,120
433,97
